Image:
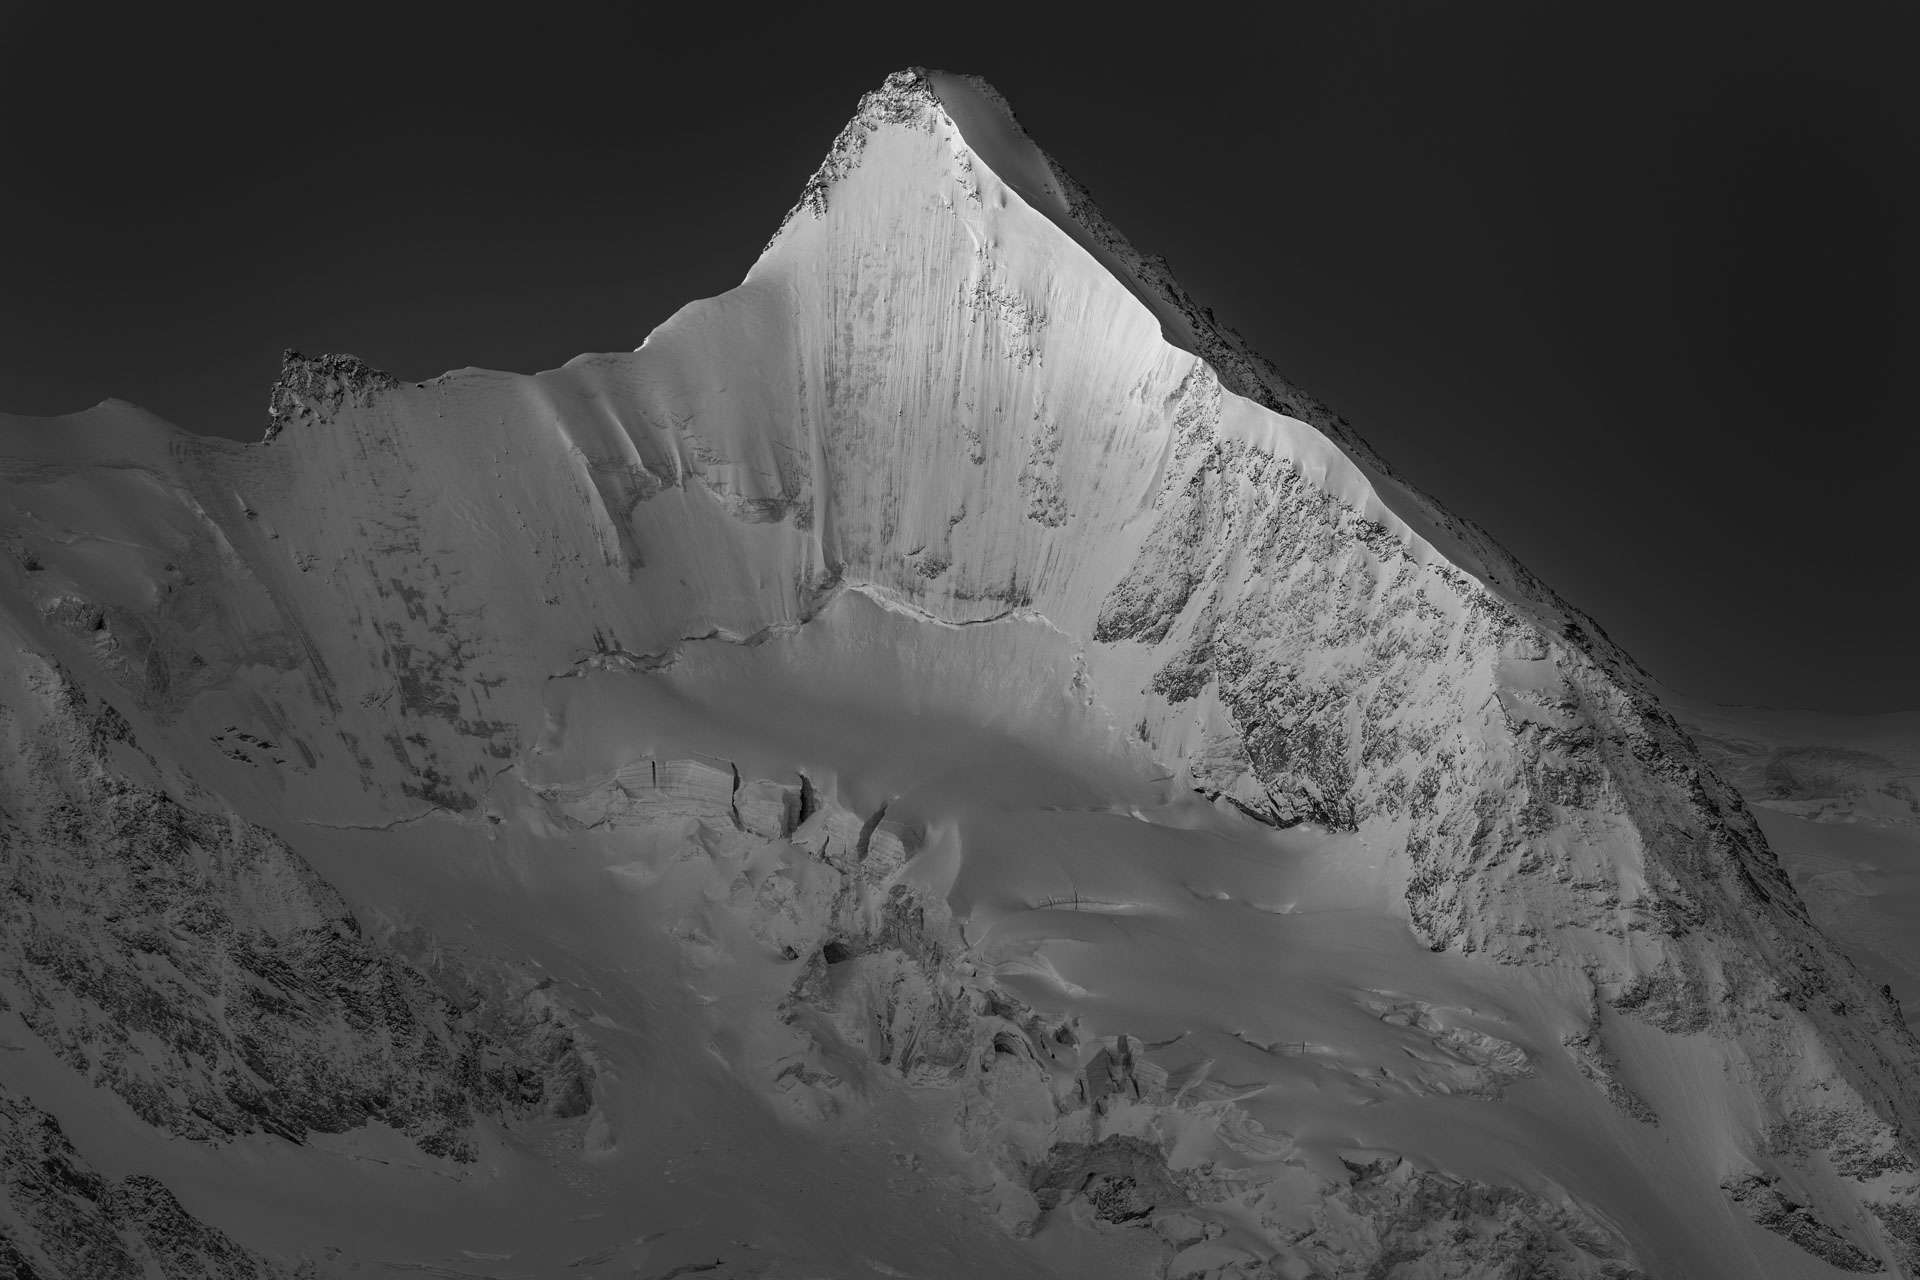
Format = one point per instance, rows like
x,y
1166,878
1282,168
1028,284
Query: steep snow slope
x,y
940,763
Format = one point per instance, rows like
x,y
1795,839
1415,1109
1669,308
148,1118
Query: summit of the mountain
x,y
942,762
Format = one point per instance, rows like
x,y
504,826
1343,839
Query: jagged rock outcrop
x,y
1761,1199
195,965
62,1220
904,99
1453,1226
319,386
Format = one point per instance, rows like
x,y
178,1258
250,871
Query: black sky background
x,y
1633,288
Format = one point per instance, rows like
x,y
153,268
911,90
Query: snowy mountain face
x,y
941,763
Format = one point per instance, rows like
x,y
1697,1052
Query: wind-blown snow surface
x,y
939,764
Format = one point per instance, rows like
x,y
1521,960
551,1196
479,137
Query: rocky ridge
x,y
61,1218
197,967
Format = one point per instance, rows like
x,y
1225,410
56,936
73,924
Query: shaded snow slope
x,y
1850,769
1836,795
940,763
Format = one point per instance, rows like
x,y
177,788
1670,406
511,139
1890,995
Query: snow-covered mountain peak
x,y
941,719
989,144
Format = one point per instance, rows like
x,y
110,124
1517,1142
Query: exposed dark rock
x,y
197,966
1900,1220
311,386
1860,1146
1124,1179
74,1224
1668,997
1761,1200
1596,1061
1456,1227
906,98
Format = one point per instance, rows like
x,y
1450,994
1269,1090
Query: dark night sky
x,y
1634,289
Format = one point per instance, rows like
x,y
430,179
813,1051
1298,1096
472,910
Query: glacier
x,y
941,763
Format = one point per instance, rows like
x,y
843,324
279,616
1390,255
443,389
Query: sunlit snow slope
x,y
940,764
